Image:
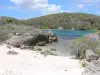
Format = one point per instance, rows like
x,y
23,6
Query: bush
x,y
82,44
83,65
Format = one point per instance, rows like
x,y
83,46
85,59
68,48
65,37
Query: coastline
x,y
33,62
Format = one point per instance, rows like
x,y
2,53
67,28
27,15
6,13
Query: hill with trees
x,y
54,21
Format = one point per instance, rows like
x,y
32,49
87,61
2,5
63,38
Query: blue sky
x,y
23,9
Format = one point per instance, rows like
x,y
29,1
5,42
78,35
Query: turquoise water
x,y
65,37
71,34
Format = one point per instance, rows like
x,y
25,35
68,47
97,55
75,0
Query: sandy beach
x,y
29,62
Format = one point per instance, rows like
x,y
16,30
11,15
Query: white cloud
x,y
52,9
81,6
41,5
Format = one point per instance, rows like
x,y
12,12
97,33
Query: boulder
x,y
90,55
12,52
93,68
52,37
31,38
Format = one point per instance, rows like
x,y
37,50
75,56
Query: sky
x,y
24,9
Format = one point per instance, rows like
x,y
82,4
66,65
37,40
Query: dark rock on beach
x,y
12,52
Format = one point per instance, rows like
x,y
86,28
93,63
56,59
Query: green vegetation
x,y
83,65
84,50
54,21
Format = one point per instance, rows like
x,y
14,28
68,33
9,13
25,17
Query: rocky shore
x,y
87,50
28,53
31,38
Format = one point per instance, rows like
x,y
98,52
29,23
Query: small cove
x,y
65,37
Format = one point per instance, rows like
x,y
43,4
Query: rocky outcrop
x,y
31,38
90,55
93,68
87,54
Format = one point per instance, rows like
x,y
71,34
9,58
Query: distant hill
x,y
53,21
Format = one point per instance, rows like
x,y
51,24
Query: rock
x,y
41,44
52,49
30,38
37,49
8,46
15,41
33,39
47,52
93,68
12,52
52,37
65,69
26,47
90,55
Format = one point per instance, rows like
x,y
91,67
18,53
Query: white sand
x,y
32,63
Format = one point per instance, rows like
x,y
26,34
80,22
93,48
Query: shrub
x,y
83,65
80,45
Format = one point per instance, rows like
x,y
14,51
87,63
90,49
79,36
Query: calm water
x,y
71,34
66,36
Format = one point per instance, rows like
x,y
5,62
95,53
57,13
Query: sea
x,y
65,37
